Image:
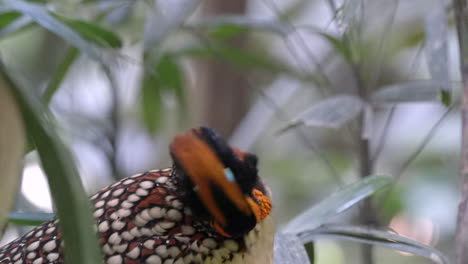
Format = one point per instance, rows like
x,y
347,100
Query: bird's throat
x,y
259,244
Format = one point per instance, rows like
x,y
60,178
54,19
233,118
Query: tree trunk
x,y
221,92
461,12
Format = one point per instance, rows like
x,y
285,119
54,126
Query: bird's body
x,y
158,217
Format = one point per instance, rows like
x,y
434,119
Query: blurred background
x,y
249,68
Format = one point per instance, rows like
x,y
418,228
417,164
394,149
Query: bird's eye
x,y
229,175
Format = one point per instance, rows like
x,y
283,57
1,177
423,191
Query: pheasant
x,y
209,207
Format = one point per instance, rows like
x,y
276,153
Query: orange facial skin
x,y
262,206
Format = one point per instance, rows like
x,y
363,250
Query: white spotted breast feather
x,y
140,219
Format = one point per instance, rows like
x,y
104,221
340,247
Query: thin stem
x,y
293,51
386,129
412,157
281,115
423,144
318,64
387,34
384,136
366,168
332,6
112,135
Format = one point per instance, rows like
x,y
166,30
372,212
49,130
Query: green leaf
x,y
12,144
41,16
446,98
332,112
235,56
167,77
120,11
170,76
7,18
62,71
93,32
411,40
415,91
12,22
29,218
289,250
151,102
339,46
336,204
16,26
158,26
375,237
226,31
245,59
72,203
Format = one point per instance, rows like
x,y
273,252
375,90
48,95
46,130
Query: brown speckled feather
x,y
141,219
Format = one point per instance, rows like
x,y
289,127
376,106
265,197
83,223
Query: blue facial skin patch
x,y
229,175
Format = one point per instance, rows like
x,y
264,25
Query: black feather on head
x,y
241,171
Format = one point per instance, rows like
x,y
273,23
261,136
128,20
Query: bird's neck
x,y
259,244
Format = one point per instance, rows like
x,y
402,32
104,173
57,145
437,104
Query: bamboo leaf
x,y
12,22
170,76
72,204
338,45
445,98
167,77
375,237
12,142
289,249
159,26
332,112
336,204
244,59
226,31
151,102
234,56
7,18
16,25
411,40
41,16
415,91
118,11
62,71
92,32
29,218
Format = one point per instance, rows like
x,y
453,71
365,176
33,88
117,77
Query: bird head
x,y
222,180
